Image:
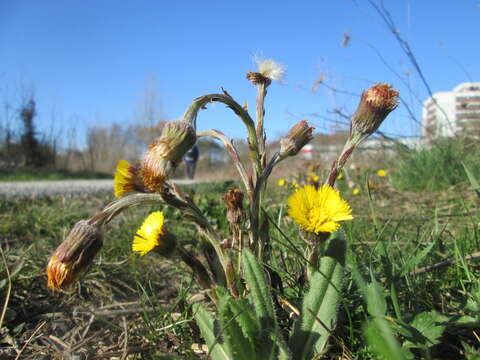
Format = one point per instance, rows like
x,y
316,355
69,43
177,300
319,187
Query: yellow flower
x,y
124,180
313,177
318,210
281,182
382,173
340,176
356,191
295,185
153,236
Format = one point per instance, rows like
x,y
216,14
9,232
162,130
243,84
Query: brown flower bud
x,y
234,200
73,255
298,136
375,104
165,154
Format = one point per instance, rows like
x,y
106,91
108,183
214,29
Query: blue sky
x,y
89,61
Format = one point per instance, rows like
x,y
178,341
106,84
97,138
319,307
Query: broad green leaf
x,y
376,304
238,344
212,338
320,304
429,326
382,341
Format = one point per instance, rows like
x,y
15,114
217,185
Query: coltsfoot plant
x,y
235,269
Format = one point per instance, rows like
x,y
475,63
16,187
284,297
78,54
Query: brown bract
x,y
73,255
258,78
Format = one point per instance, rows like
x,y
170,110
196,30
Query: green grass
x,y
140,303
435,168
32,174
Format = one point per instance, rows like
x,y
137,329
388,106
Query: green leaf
x,y
376,304
430,328
205,322
320,304
413,261
259,290
472,179
238,344
271,344
382,341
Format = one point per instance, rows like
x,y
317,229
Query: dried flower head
x,y
375,104
152,236
126,179
298,136
318,210
73,255
268,71
234,200
165,154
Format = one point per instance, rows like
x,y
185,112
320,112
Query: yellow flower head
x,y
124,180
318,210
153,236
382,173
356,191
282,182
313,177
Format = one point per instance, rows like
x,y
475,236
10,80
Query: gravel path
x,y
62,187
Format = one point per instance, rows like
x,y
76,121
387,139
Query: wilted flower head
x,y
152,235
166,152
126,178
268,71
375,104
234,201
73,255
318,210
298,136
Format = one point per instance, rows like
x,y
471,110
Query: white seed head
x,y
270,69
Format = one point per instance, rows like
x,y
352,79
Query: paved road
x,y
63,187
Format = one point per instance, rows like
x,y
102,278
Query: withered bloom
x,y
298,136
234,200
375,104
166,152
73,255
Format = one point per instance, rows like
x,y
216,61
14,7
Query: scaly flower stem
x,y
261,94
255,203
339,163
117,206
191,116
232,151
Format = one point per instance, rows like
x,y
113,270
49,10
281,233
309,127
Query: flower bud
x,y
166,152
298,136
73,255
375,104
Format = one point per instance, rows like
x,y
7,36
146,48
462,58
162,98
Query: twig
x,y
443,264
30,339
9,288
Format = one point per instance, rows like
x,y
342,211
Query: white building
x,y
446,114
